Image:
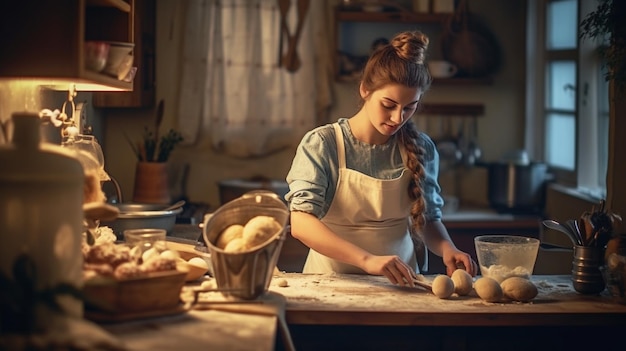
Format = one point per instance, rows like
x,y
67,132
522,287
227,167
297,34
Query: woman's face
x,y
389,107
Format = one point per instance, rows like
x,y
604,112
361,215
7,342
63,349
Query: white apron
x,y
369,212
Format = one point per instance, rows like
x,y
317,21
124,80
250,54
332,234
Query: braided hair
x,y
402,62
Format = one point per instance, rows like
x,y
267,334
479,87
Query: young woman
x,y
364,188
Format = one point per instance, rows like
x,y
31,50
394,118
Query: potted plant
x,y
607,23
153,152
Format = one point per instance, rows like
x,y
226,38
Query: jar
x,y
41,216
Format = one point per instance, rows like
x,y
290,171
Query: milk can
x,y
41,196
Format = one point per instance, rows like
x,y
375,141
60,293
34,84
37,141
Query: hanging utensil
x,y
473,153
283,6
291,60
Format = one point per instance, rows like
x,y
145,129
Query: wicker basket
x,y
157,291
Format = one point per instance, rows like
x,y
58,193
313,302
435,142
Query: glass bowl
x,y
504,256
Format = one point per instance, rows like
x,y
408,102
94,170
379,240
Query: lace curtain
x,y
234,95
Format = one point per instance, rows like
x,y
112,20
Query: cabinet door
x,y
143,93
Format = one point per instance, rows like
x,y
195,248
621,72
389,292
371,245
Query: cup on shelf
x,y
442,69
96,55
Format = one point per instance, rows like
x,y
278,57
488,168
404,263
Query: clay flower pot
x,y
151,183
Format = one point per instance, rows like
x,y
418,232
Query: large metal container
x,y
517,188
230,189
245,275
142,216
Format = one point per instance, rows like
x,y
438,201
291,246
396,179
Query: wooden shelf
x,y
436,81
457,110
463,81
391,16
119,4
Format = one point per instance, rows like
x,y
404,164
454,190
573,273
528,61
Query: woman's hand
x,y
391,267
455,259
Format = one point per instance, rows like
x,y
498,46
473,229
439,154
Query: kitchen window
x,y
568,110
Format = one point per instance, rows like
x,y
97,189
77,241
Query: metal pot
x,y
517,188
230,189
141,216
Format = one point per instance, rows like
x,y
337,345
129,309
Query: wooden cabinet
x,y
143,89
44,41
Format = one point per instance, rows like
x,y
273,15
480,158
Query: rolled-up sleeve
x,y
432,190
312,172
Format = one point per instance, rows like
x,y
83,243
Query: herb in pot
x,y
153,147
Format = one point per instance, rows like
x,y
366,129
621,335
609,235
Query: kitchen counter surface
x,y
338,312
198,331
332,299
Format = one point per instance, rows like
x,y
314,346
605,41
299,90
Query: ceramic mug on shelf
x,y
442,69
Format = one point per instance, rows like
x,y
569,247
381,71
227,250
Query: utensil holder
x,y
586,274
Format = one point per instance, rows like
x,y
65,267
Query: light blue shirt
x,y
314,171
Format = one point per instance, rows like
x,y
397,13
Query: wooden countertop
x,y
198,331
333,299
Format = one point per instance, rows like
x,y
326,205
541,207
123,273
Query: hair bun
x,y
411,46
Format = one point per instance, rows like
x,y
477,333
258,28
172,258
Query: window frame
x,y
587,63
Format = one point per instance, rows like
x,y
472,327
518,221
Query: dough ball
x,y
198,262
260,229
283,283
443,287
170,254
236,245
462,282
488,289
149,254
227,235
159,264
518,289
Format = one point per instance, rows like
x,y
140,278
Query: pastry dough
x,y
488,289
462,282
229,234
260,229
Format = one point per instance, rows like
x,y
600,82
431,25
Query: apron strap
x,y
341,149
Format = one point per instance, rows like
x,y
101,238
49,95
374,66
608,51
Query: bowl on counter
x,y
504,256
142,216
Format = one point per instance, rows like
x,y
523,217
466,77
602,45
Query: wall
x,y
499,129
16,96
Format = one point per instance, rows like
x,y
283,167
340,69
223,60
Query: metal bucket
x,y
245,275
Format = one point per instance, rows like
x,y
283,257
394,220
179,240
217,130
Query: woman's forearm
x,y
436,237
